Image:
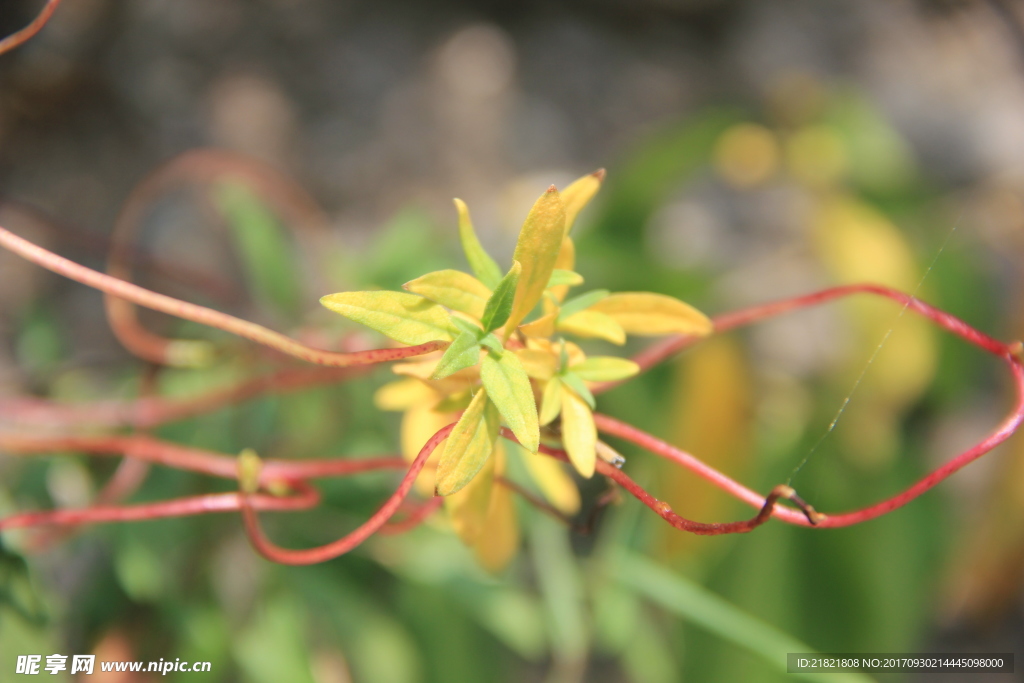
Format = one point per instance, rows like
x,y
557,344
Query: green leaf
x,y
509,387
452,288
464,352
465,326
691,601
581,302
468,446
499,306
551,401
574,382
268,258
537,249
492,342
605,369
564,277
407,318
479,260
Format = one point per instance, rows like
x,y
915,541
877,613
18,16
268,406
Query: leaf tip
x,y
599,174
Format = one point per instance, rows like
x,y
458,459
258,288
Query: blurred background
x,y
754,151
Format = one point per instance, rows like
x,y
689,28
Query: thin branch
x,y
24,35
276,553
201,314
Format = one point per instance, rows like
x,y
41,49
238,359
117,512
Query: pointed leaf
x,y
593,324
578,194
645,313
551,401
573,381
579,435
452,288
537,249
468,446
509,388
566,261
605,369
479,260
464,352
407,318
554,482
564,277
499,305
464,325
582,302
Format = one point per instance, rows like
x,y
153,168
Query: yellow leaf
x,y
554,482
592,324
649,314
537,249
404,394
468,508
452,288
566,261
469,445
418,425
496,548
423,369
537,364
551,401
605,369
543,326
509,388
407,318
479,260
578,194
579,435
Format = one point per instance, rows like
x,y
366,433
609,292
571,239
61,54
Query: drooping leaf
x,y
551,401
579,435
537,249
574,382
554,482
593,324
582,302
419,423
605,369
564,277
464,352
509,388
403,394
452,288
407,318
646,313
479,260
468,446
499,305
467,509
578,194
496,548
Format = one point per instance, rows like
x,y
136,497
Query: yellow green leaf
x,y
543,326
594,324
551,401
452,288
579,387
509,388
537,249
479,260
578,194
564,277
468,446
579,435
496,548
566,261
462,353
537,364
404,394
582,302
467,509
407,318
605,369
554,482
646,313
499,305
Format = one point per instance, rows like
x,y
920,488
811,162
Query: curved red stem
x,y
35,26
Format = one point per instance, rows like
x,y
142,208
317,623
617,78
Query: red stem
x,y
276,553
15,39
201,314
